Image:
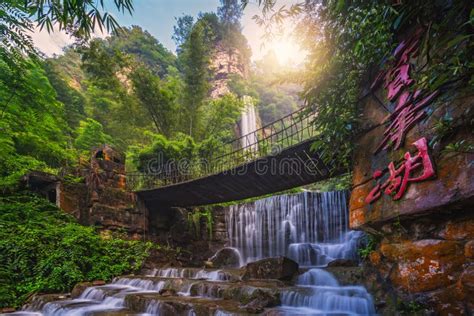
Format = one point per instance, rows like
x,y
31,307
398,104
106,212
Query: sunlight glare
x,y
287,50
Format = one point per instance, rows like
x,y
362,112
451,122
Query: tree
x,y
182,29
144,48
74,102
80,18
195,57
230,12
159,99
91,134
34,134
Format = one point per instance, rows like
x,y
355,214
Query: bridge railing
x,y
267,141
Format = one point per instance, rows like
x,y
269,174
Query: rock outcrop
x,y
279,268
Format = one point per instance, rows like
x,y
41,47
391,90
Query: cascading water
x,y
248,124
311,228
322,294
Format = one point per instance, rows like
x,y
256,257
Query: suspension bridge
x,y
273,158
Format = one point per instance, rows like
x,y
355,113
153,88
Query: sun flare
x,y
287,51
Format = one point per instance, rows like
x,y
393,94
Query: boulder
x,y
79,288
343,263
281,268
259,300
225,258
167,292
436,262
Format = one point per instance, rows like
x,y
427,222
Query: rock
x,y
469,249
343,263
79,288
7,310
167,292
226,258
98,283
466,284
436,262
281,268
375,258
458,230
259,300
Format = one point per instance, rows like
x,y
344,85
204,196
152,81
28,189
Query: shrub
x,y
43,249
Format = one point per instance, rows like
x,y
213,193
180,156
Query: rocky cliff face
x,y
426,233
100,198
224,62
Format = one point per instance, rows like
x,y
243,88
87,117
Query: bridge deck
x,y
292,167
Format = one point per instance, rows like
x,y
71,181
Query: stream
x,y
310,228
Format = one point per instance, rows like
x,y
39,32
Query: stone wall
x,y
426,237
197,240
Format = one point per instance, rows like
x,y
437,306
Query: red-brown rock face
x,y
427,247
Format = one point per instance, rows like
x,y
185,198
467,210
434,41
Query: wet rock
x,y
79,288
281,268
469,249
343,263
98,283
37,301
458,230
167,292
226,258
259,300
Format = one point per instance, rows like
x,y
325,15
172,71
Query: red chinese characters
x,y
409,108
399,178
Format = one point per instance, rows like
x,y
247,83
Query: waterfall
x,y
322,294
311,228
248,124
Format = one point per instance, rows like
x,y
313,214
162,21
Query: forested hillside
x,y
129,91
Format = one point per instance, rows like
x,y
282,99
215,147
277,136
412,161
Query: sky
x,y
158,18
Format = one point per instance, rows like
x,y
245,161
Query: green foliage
x,y
43,249
411,308
164,150
371,243
194,220
74,102
159,98
144,48
447,45
182,29
342,182
219,116
90,134
33,130
79,18
195,60
350,40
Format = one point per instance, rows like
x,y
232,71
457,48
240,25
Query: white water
x,y
322,295
248,124
190,273
311,228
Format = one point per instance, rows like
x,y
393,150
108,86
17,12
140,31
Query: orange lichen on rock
x,y
460,230
424,265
